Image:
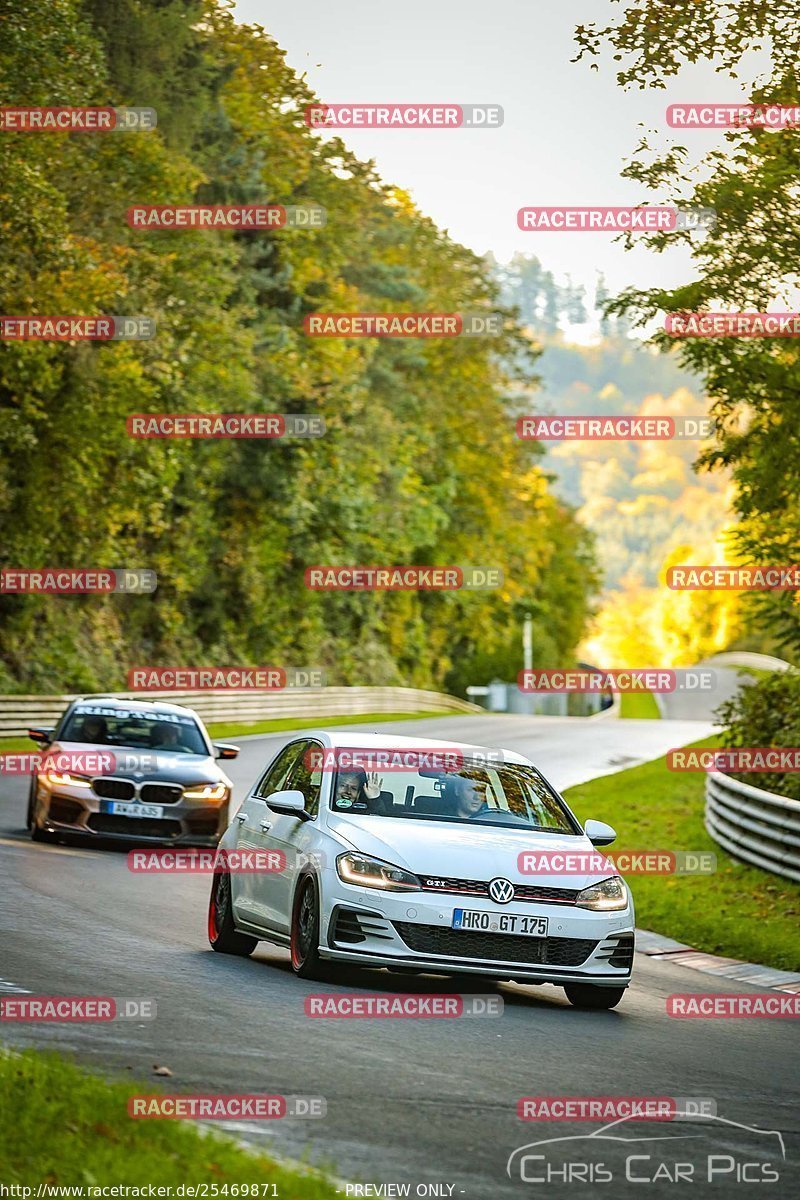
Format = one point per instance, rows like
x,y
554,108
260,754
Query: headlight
x,y
373,872
607,896
66,779
206,791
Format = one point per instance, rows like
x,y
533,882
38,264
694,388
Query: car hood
x,y
448,849
149,765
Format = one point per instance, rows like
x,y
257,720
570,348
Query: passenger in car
x,y
359,792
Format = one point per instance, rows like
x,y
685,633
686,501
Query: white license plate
x,y
120,809
487,922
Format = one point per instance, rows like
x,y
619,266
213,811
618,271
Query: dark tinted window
x,y
103,725
306,776
274,779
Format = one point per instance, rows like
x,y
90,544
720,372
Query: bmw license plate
x,y
488,922
119,808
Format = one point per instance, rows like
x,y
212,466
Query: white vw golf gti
x,y
421,856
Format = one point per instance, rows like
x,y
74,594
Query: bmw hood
x,y
148,766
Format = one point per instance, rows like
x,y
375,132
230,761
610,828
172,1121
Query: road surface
x,y
417,1102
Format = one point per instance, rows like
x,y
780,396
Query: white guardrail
x,y
19,713
754,825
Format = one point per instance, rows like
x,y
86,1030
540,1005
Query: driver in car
x,y
469,797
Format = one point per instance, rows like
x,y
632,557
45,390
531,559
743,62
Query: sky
x,y
567,130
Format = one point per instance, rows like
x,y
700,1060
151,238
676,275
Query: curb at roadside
x,y
655,945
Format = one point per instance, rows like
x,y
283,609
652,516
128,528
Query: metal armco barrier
x,y
18,713
757,826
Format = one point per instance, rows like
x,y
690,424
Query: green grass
x,y
740,911
12,745
61,1125
278,724
640,705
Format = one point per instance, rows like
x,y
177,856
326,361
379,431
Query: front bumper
x,y
81,813
408,931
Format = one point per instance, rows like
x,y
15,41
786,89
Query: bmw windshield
x,y
99,725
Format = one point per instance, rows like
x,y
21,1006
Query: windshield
x,y
477,794
173,733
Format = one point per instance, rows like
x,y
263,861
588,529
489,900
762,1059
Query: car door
x,y
250,891
291,836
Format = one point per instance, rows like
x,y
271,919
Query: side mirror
x,y
600,834
291,803
225,750
43,736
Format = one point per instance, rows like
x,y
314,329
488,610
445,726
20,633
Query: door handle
x,y
241,818
265,826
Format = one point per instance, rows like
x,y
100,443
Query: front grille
x,y
160,793
133,826
480,887
441,941
66,812
114,789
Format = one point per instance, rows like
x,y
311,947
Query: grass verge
x,y
639,705
61,1125
740,911
278,724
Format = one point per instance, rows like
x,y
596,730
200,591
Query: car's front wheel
x,y
589,995
222,932
306,961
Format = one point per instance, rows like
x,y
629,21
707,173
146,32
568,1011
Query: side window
x,y
274,779
306,776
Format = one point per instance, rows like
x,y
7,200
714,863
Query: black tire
x,y
37,833
222,933
304,947
589,995
31,798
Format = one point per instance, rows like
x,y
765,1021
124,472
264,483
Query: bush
x,y
766,713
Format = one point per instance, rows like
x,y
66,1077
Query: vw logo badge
x,y
501,891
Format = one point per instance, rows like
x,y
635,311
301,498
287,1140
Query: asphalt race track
x,y
416,1101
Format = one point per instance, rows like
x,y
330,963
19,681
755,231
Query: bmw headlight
x,y
67,779
366,871
206,791
606,896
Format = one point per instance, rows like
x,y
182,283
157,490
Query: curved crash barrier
x,y
19,713
757,826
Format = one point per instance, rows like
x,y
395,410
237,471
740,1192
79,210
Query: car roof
x,y
353,739
134,705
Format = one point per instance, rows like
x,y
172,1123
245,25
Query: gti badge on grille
x,y
501,891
